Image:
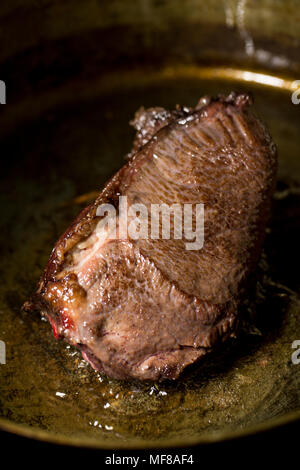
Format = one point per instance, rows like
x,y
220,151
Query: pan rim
x,y
23,430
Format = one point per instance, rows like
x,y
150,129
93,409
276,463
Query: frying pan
x,y
75,73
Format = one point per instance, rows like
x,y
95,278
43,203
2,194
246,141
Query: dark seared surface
x,y
147,308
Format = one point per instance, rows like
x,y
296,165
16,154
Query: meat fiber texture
x,y
147,308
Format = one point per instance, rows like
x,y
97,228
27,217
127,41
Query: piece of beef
x,y
147,308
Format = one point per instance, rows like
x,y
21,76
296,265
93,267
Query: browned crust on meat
x,y
84,224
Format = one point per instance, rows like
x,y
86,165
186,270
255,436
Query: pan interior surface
x,y
70,150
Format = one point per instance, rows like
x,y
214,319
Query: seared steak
x,y
146,308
